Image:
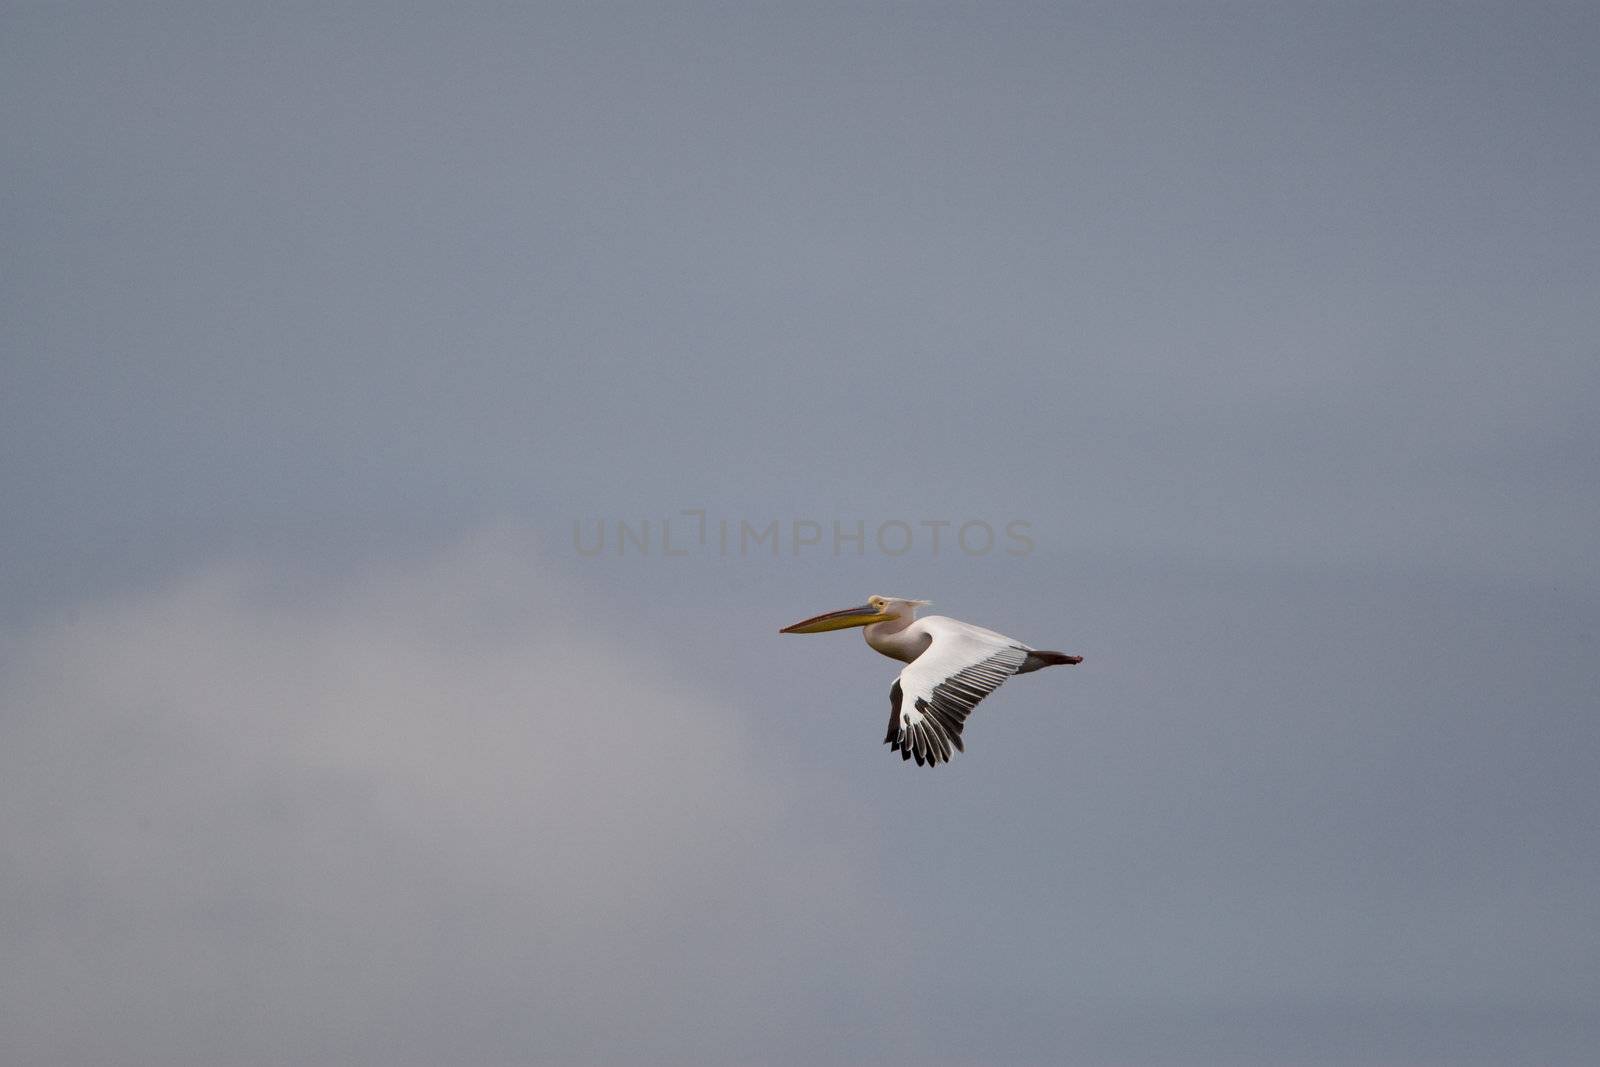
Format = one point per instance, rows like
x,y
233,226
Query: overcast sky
x,y
325,328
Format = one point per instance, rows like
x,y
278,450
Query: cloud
x,y
421,815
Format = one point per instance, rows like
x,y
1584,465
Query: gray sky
x,y
322,742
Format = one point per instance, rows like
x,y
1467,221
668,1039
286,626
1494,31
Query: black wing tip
x,y
928,757
933,740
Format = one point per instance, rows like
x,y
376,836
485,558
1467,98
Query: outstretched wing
x,y
930,701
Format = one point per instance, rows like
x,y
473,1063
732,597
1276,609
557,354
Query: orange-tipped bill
x,y
838,620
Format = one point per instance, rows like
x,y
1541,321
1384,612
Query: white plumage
x,y
950,667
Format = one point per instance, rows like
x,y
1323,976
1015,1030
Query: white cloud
x,y
423,814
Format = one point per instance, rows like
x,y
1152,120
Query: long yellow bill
x,y
838,620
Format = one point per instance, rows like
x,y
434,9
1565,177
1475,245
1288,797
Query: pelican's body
x,y
950,666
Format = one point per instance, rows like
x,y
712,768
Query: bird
x,y
950,666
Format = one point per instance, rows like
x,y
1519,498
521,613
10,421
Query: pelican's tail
x,y
1037,659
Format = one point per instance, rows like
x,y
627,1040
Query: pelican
x,y
950,666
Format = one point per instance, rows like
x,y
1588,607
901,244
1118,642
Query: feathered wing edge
x,y
931,732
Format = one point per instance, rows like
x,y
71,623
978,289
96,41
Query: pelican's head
x,y
876,609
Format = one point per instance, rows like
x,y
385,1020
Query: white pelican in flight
x,y
950,666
